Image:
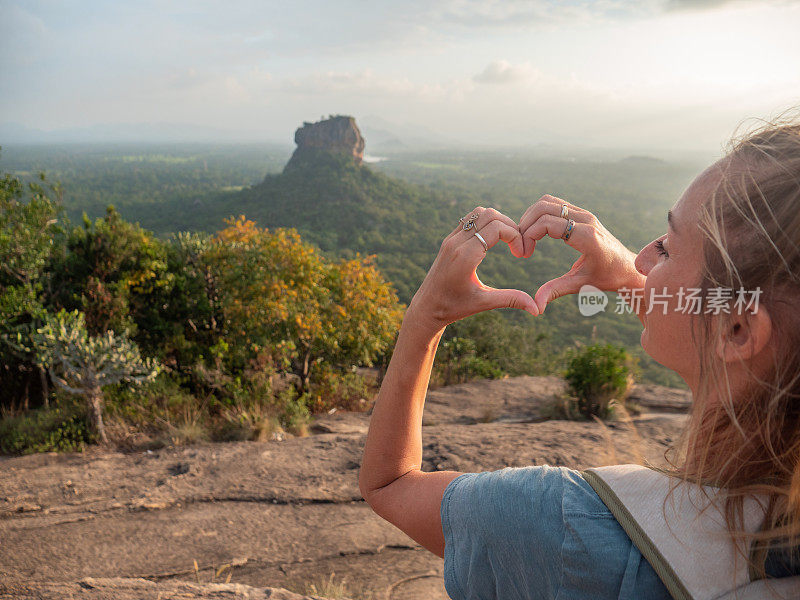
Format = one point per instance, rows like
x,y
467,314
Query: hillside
x,y
343,206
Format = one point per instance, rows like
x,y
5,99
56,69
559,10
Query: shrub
x,y
344,390
517,344
60,429
295,415
598,377
190,428
457,362
252,420
162,399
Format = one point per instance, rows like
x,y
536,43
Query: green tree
x,y
28,233
180,321
81,363
280,295
110,271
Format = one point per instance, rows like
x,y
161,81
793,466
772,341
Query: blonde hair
x,y
750,443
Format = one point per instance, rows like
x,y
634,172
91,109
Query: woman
x,y
542,532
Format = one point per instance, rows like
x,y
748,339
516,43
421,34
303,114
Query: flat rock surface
x,y
286,513
141,589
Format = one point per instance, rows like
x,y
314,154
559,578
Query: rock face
x,y
117,588
337,134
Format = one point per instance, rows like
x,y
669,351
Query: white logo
x,y
591,300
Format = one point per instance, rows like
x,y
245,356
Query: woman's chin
x,y
644,340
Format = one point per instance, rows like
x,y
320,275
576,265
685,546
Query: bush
x,y
598,377
158,401
60,429
295,415
457,362
190,428
343,390
515,343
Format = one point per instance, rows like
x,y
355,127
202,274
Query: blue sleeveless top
x,y
538,533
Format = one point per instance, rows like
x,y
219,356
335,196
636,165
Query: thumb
x,y
494,298
555,288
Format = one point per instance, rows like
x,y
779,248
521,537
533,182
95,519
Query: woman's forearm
x,y
394,441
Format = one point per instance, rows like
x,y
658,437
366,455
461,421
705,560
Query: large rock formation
x,y
335,135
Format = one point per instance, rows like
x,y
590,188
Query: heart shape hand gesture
x,y
452,289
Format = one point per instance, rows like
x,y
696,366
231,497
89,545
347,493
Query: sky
x,y
673,74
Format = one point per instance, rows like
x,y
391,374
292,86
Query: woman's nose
x,y
644,260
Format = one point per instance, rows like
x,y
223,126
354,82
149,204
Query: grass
x,y
336,590
564,407
216,572
326,587
189,429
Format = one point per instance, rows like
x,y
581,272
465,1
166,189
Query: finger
x,y
460,227
549,205
545,206
552,205
508,298
554,227
493,233
484,216
555,288
488,215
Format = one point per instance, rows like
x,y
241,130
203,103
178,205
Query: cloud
x,y
22,36
368,84
699,5
501,72
527,14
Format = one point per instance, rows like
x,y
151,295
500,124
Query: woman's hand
x,y
452,290
604,262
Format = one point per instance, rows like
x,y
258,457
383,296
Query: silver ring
x,y
564,211
568,229
470,222
482,241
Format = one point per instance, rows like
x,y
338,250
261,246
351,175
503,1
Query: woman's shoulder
x,y
549,488
541,529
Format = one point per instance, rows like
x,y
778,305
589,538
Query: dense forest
x,y
225,279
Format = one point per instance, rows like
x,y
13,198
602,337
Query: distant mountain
x,y
640,159
344,206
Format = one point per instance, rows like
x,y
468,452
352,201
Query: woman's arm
x,y
391,478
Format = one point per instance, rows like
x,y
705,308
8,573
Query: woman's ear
x,y
744,335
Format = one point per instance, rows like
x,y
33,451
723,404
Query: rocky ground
x,y
177,522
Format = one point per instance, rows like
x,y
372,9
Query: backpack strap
x,y
679,528
638,536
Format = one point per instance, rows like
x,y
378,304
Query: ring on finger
x,y
564,211
470,222
482,241
568,229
